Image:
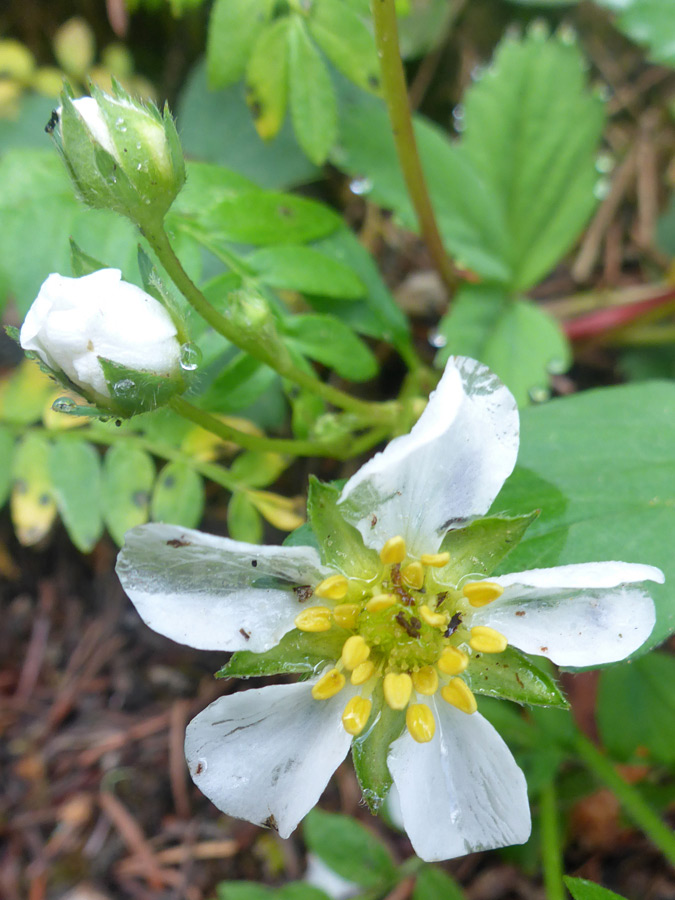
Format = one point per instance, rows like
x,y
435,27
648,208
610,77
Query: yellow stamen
x,y
420,721
315,618
487,640
437,620
452,661
346,615
436,560
425,680
354,652
457,693
328,685
480,593
380,602
397,689
393,551
356,714
363,672
334,587
413,575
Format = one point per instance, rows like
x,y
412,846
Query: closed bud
x,y
121,154
115,345
256,325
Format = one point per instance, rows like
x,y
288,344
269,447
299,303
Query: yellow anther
x,y
452,661
346,615
354,652
334,587
436,560
393,551
425,680
397,689
356,715
380,602
480,593
457,693
328,685
413,575
314,618
420,721
363,672
437,620
487,640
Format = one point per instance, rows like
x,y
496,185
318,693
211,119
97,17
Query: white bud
x,y
76,321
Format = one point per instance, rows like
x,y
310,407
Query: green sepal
x,y
478,548
133,392
83,264
371,748
341,544
513,676
303,536
297,653
12,332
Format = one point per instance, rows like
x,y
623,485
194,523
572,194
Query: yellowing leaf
x,y
285,513
24,394
32,505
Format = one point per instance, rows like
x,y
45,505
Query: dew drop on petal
x,y
190,357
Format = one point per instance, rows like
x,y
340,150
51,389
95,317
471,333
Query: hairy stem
x,y
396,97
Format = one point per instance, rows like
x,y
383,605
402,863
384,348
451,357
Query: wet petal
x,y
449,468
579,615
462,791
214,593
266,755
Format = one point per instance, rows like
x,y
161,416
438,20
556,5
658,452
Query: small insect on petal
x,y
420,722
457,693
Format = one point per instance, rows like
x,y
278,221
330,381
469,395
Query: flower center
x,y
407,629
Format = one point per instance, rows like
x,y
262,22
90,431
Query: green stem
x,y
551,851
634,805
374,412
396,97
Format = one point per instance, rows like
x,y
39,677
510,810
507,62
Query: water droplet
x,y
539,394
139,167
601,188
477,72
567,34
190,357
120,124
360,186
557,366
64,404
124,387
436,339
458,117
138,145
604,163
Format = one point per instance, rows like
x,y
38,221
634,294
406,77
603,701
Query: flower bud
x,y
254,320
121,155
110,341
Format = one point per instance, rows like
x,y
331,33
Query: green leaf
x,y
261,218
298,652
636,708
520,342
217,127
303,536
75,472
206,186
244,522
513,676
478,548
32,505
371,748
581,889
252,890
532,130
81,263
128,476
267,79
433,883
341,544
313,105
178,497
306,270
329,341
238,384
345,39
6,454
256,469
348,848
647,22
600,465
233,29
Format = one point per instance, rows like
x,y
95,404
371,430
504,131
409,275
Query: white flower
x,y
410,625
76,322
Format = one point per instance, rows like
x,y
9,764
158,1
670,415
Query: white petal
x,y
579,615
214,593
266,755
89,110
449,468
462,791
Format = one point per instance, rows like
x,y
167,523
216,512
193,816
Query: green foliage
x,y
513,676
313,105
128,477
178,496
581,889
233,29
298,652
647,22
306,270
341,544
371,748
251,890
75,474
433,883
